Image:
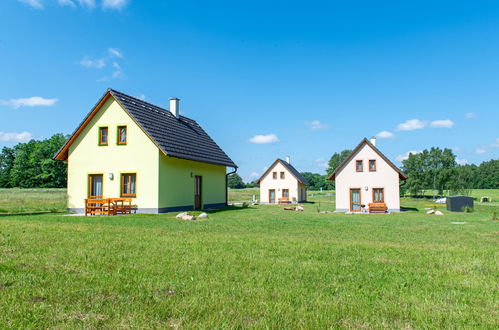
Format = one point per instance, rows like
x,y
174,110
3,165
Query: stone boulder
x,y
181,215
431,212
438,213
203,215
299,208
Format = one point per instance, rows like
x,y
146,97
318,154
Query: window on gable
x,y
359,167
274,175
103,136
122,135
128,184
282,176
372,165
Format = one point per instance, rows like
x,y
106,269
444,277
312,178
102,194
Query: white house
x,y
282,182
367,176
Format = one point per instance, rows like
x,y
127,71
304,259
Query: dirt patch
x,y
37,299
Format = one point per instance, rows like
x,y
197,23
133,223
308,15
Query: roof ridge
x,y
146,102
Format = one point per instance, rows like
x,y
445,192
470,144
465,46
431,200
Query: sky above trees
x,y
266,79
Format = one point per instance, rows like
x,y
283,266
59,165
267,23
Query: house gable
x,y
351,158
288,168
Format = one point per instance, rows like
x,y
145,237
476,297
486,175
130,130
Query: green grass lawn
x,y
255,267
32,200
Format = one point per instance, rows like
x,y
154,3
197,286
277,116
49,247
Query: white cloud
x,y
254,175
115,52
403,157
141,97
480,151
411,125
90,4
37,4
444,123
117,73
385,135
496,144
98,63
264,139
35,101
321,162
316,125
114,4
456,149
68,3
15,137
470,115
461,161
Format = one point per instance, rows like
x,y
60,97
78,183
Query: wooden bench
x,y
122,205
377,208
284,200
98,206
108,206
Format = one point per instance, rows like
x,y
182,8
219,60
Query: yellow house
x,y
282,183
126,147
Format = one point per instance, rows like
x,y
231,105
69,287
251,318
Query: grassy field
x,y
255,267
32,200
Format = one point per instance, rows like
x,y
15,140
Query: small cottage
x,y
367,181
282,183
161,161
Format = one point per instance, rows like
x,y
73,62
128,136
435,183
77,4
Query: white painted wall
x,y
384,177
289,182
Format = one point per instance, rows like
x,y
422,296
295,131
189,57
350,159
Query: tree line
x,y
30,165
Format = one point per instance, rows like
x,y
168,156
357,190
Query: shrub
x,y
245,205
468,209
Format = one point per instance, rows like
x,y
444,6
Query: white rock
x,y
438,213
188,217
181,215
430,212
203,216
299,208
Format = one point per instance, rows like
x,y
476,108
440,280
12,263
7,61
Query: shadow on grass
x,y
228,208
405,209
31,213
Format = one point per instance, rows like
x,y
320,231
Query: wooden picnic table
x,y
108,206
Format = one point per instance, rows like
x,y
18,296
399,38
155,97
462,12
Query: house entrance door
x,y
198,198
272,196
355,201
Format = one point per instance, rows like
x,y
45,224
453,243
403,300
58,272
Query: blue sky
x,y
265,79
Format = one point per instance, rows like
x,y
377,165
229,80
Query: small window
x,y
282,176
378,195
121,134
103,136
128,185
372,165
274,175
285,193
359,166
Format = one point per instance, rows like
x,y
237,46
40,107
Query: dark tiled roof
x,y
289,167
294,171
180,138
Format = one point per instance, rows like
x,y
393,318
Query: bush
x,y
245,205
468,209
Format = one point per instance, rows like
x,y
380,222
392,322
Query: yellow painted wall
x,y
140,155
176,182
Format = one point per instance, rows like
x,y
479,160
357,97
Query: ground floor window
x,y
128,185
285,193
378,195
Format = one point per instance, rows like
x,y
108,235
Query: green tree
x,y
336,159
235,181
488,174
6,162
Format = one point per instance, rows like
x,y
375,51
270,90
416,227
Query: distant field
x,y
54,200
259,267
32,200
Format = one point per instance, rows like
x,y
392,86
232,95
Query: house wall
x,y
384,177
140,155
176,184
278,184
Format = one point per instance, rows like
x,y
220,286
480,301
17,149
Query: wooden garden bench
x,y
122,205
377,208
98,206
284,200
